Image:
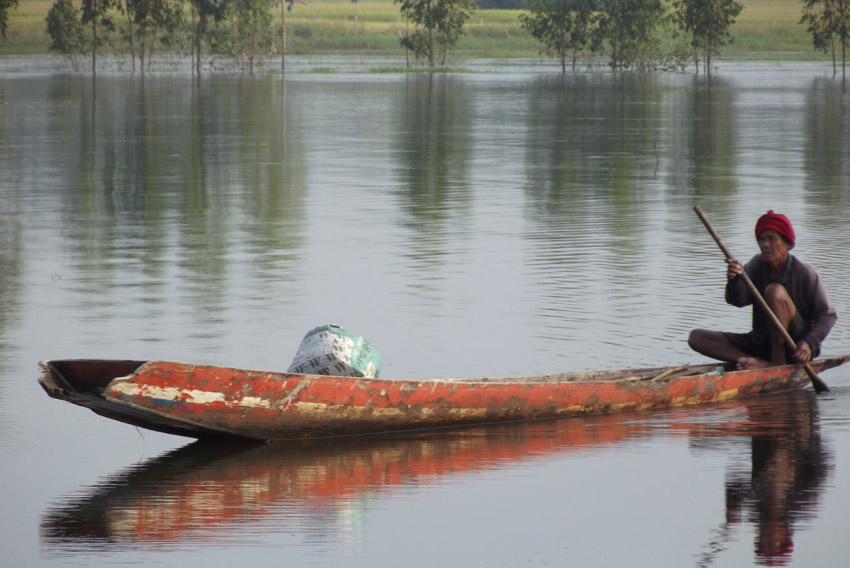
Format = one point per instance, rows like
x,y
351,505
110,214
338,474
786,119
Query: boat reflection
x,y
204,485
201,492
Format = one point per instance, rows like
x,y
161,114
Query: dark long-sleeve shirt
x,y
805,287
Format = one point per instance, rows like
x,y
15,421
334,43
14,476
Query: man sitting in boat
x,y
793,290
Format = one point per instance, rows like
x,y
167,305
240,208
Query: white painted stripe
x,y
182,395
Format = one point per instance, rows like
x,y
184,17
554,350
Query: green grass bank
x,y
766,29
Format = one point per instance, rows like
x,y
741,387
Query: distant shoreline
x,y
767,30
22,65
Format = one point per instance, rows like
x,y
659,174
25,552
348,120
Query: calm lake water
x,y
505,221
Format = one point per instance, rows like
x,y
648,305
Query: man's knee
x,y
777,293
780,301
698,339
694,338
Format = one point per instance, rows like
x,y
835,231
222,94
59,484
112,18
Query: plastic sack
x,y
330,350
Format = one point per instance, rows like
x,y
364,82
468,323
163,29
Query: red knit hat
x,y
778,222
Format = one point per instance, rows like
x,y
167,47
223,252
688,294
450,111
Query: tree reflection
x,y
827,151
11,272
591,143
701,156
434,142
589,161
172,180
826,164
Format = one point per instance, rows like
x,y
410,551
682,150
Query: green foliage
x,y
419,43
97,13
439,25
208,17
253,29
629,27
816,18
65,27
828,23
455,14
94,10
244,31
503,4
562,26
709,22
5,6
150,22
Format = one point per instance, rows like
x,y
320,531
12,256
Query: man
x,y
793,290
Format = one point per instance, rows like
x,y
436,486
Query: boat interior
x,y
84,376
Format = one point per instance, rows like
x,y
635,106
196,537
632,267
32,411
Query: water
x,y
507,221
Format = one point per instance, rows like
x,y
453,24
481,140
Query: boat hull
x,y
204,401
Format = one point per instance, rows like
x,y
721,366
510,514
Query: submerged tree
x,y
205,13
709,22
450,28
829,24
95,12
5,6
253,24
629,27
65,29
562,26
149,18
440,24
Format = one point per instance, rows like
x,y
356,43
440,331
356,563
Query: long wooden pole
x,y
817,382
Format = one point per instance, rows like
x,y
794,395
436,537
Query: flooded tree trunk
x,y
130,32
94,46
283,35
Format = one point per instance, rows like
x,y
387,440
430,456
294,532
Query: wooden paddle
x,y
817,382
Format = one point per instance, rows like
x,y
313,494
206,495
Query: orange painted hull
x,y
209,489
204,401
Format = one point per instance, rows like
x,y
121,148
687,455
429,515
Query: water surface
x,y
499,222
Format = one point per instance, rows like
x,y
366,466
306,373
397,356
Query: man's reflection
x,y
789,467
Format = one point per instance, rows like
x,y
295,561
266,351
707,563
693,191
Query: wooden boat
x,y
203,401
210,488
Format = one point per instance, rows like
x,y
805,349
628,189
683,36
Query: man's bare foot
x,y
750,363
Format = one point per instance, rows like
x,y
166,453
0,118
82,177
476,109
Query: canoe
x,y
203,401
210,488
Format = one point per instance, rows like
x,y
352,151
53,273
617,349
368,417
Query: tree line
x,y
236,28
630,32
629,29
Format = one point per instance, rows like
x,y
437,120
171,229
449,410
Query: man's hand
x,y
734,268
803,353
